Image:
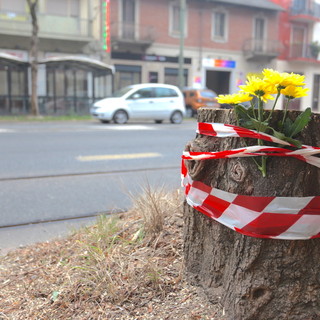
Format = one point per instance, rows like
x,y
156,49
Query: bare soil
x,y
117,269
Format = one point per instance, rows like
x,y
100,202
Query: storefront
x,y
73,83
133,68
13,85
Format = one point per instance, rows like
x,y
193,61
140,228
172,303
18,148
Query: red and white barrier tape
x,y
290,218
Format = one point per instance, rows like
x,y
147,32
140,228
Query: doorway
x,y
218,81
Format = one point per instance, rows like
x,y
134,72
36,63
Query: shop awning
x,y
80,62
12,60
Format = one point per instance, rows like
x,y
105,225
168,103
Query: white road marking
x,y
126,127
119,156
5,130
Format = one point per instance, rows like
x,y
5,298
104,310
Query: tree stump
x,y
253,278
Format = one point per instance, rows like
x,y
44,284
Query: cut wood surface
x,y
256,279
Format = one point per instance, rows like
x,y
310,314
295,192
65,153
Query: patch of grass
x,y
126,266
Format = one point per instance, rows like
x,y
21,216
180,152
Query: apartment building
x,y
224,41
81,41
71,69
297,30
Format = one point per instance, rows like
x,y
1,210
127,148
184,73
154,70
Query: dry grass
x,y
124,267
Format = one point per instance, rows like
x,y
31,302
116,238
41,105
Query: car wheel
x,y
158,121
176,117
189,112
120,117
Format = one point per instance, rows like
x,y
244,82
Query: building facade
x,y
224,42
81,41
67,28
297,30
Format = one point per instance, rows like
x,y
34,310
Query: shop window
x,y
59,83
126,75
153,77
17,83
3,81
171,76
81,81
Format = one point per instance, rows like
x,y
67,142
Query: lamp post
x,y
182,31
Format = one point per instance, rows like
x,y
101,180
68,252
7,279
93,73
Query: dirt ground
x,y
117,269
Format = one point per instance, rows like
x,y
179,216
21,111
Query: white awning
x,y
78,61
10,58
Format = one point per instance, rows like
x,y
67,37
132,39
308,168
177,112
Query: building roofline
x,y
259,4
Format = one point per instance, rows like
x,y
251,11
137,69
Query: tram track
x,y
84,216
80,174
75,174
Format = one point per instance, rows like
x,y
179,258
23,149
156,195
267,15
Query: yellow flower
x,y
283,79
235,98
292,92
259,87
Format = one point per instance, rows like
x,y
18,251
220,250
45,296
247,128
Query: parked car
x,y
197,98
153,101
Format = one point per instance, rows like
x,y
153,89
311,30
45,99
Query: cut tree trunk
x,y
253,278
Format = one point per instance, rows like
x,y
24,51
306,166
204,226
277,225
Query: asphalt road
x,y
56,176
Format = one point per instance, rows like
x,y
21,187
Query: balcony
x,y
261,50
304,52
50,27
307,14
131,37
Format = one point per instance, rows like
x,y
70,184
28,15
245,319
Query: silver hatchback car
x,y
153,101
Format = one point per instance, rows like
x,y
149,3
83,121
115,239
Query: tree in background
x,y
32,4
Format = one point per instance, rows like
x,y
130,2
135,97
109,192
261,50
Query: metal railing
x,y
49,26
267,47
132,32
302,50
312,10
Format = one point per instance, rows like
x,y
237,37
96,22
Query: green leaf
x,y
260,126
301,121
286,126
281,136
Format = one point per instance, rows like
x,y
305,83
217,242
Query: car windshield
x,y
207,94
121,92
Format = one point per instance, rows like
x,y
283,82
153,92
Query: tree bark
x,y
253,278
34,56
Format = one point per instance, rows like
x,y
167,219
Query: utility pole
x,y
181,52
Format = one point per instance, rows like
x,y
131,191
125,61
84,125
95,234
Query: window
x,y
219,26
259,34
174,23
17,6
165,92
144,93
128,18
153,77
69,8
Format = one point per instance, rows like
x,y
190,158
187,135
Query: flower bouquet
x,y
258,91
